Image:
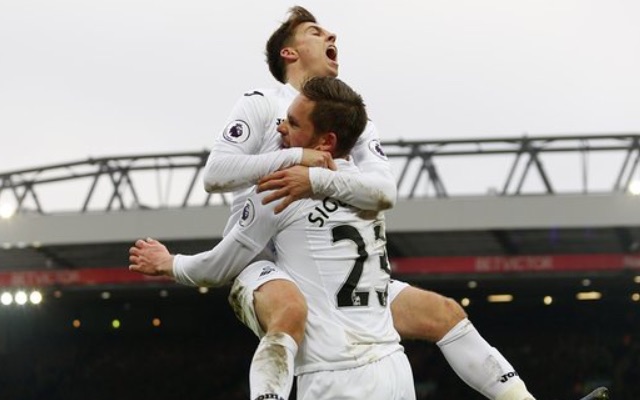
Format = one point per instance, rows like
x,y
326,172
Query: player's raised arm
x,y
211,268
215,267
221,264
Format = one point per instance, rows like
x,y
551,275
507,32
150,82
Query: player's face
x,y
317,50
298,130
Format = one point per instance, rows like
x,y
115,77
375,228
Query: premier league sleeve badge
x,y
237,132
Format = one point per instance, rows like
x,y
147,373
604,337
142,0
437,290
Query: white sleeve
x,y
234,161
215,267
237,249
374,188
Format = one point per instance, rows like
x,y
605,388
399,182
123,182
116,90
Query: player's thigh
x,y
258,284
281,307
423,314
389,378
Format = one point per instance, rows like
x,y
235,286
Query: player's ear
x,y
289,54
328,142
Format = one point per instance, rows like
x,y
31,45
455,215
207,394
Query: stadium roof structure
x,y
493,210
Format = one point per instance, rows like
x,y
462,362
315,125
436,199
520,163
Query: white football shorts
x,y
245,284
389,378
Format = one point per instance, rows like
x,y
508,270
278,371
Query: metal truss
x,y
524,156
174,180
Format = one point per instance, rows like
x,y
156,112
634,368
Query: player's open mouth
x,y
332,53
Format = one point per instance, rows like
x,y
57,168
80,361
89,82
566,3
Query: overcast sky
x,y
82,78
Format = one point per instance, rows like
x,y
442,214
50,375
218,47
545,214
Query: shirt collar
x,y
290,90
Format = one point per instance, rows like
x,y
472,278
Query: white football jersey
x,y
336,257
251,130
250,147
339,262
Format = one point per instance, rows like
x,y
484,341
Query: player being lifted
x,y
337,259
249,149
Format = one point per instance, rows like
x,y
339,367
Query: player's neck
x,y
297,76
296,83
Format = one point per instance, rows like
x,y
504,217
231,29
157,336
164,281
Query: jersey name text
x,y
321,213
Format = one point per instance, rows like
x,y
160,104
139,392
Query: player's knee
x,y
454,313
444,316
426,315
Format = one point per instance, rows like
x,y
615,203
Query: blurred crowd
x,y
560,355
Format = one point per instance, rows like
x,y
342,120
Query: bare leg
x,y
422,314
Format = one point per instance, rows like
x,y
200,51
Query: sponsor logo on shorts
x,y
376,148
248,214
266,270
237,132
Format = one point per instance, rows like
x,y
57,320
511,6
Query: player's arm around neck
x,y
234,161
374,188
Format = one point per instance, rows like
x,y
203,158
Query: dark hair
x,y
280,39
338,109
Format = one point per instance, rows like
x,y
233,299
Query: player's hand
x,y
150,257
289,184
317,158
